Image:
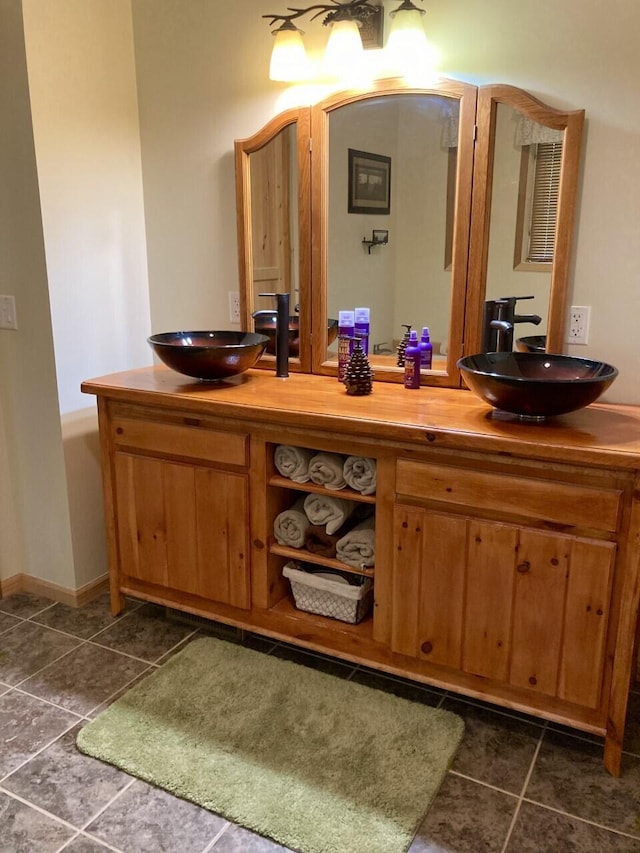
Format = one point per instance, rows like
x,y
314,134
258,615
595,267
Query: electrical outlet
x,y
234,306
578,324
8,313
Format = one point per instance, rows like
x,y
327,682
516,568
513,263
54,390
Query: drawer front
x,y
560,503
189,441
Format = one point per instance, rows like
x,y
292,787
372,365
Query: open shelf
x,y
346,493
307,557
286,608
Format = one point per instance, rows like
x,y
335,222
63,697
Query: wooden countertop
x,y
601,434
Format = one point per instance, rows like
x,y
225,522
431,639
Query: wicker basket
x,y
329,597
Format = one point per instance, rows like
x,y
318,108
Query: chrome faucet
x,y
499,323
282,333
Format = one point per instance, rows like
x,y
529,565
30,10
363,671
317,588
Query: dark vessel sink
x,y
209,355
536,385
532,343
265,324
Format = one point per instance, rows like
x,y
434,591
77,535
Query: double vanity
x,y
507,552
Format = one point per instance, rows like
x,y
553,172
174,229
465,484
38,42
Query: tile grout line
x,y
44,812
47,665
49,702
482,783
217,837
84,828
151,668
581,819
81,835
22,764
525,785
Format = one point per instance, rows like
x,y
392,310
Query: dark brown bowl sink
x,y
265,324
532,343
536,385
208,355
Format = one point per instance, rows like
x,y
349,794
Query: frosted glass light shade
x,y
343,54
408,47
289,61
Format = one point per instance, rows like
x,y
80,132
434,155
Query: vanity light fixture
x,y
352,22
289,61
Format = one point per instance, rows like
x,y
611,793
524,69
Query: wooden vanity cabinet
x,y
180,490
507,554
486,583
519,606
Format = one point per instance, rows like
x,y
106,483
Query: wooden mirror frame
x,y
243,148
320,115
571,122
471,227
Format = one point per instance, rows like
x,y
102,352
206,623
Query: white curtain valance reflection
x,y
529,132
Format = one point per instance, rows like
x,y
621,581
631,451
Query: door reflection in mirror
x,y
274,219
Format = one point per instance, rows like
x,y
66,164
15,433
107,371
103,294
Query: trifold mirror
x,y
418,204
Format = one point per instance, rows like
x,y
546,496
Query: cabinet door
x,y
183,527
516,605
428,585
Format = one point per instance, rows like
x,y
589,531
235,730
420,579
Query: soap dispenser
x,y
402,346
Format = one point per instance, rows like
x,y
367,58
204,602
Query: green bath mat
x,y
319,764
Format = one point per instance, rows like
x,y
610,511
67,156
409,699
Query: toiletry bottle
x,y
346,331
403,344
426,349
412,362
361,325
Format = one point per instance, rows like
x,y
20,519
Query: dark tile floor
x,y
518,785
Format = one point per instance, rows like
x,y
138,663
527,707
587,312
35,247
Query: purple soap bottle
x,y
426,349
412,362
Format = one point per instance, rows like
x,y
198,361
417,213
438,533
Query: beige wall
x,y
84,488
82,87
76,263
198,90
32,487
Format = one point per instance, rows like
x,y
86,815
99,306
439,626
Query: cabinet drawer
x,y
186,440
559,503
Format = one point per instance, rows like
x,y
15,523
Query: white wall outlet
x,y
579,324
8,319
234,306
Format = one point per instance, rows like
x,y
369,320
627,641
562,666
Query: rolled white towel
x,y
325,469
293,462
357,548
360,474
291,525
327,510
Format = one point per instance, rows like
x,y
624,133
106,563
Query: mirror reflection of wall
x,y
274,219
406,281
513,268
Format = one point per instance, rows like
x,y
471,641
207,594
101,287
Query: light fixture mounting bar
x,y
353,10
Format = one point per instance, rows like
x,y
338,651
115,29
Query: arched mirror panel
x,y
390,219
430,207
525,185
273,198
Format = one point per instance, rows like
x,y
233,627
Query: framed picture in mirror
x,y
369,182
